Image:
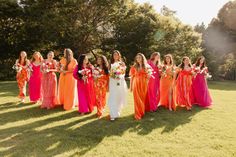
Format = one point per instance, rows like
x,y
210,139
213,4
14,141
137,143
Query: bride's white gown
x,y
117,96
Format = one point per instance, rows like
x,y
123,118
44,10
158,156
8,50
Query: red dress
x,y
183,89
101,87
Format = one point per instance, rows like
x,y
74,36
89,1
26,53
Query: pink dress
x,y
35,83
153,89
200,93
49,85
86,93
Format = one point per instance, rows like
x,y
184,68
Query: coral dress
x,y
183,89
153,88
22,77
49,85
139,84
86,93
35,92
67,86
201,95
167,89
101,87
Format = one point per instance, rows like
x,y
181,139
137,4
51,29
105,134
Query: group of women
x,y
81,84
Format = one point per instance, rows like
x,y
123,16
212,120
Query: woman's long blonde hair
x,y
144,61
40,56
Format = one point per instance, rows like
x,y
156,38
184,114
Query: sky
x,y
190,11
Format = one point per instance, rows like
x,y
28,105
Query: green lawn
x,y
27,130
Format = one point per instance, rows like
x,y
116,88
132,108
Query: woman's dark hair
x,y
80,64
112,56
182,63
105,64
19,60
198,62
171,59
68,52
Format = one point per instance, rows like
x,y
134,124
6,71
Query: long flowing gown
x,y
35,92
183,89
153,88
200,93
117,93
67,86
167,99
101,87
22,77
139,84
49,86
86,95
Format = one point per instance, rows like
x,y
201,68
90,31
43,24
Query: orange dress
x,y
183,89
101,87
139,86
22,77
167,89
67,88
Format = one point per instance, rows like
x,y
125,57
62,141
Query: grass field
x,y
27,130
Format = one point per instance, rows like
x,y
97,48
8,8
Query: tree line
x,y
95,27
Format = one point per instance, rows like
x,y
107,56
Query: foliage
x,y
219,40
86,26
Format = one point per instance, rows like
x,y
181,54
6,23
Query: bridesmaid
x,y
22,76
154,83
85,85
201,94
67,83
35,92
117,86
49,81
139,74
101,77
167,83
184,83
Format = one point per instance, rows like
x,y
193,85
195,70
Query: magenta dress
x,y
35,83
200,93
86,93
153,89
49,85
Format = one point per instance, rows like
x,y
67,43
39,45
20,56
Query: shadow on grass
x,y
41,138
8,88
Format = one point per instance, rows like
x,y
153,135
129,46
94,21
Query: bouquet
x,y
97,72
117,71
46,67
149,71
163,70
17,67
85,74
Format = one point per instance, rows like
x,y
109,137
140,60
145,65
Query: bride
x,y
117,86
